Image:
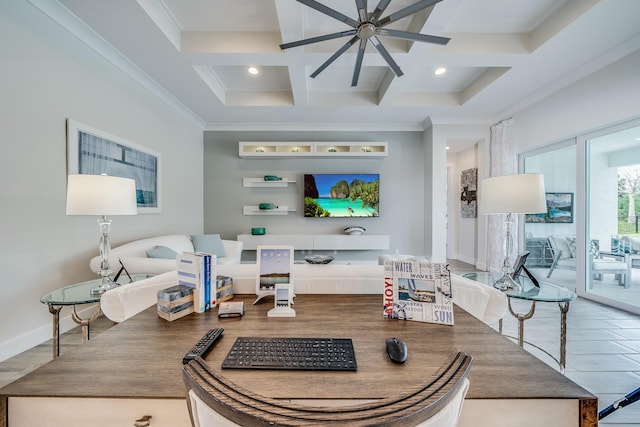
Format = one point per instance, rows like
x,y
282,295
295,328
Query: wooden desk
x,y
133,369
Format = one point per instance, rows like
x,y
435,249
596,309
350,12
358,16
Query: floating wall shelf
x,y
262,150
260,182
318,241
255,210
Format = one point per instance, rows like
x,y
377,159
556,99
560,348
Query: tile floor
x,y
603,349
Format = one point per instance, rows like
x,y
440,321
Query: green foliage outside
x,y
628,199
623,205
312,208
368,192
624,227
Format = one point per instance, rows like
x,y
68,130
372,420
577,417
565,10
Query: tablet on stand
x,y
282,301
274,266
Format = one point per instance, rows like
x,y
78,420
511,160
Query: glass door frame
x,y
582,219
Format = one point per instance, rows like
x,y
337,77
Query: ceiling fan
x,y
366,29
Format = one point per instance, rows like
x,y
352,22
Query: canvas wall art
x,y
559,209
94,152
468,191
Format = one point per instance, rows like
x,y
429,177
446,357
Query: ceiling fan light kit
x,y
366,29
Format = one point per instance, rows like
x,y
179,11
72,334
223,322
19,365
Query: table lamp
x,y
511,194
101,195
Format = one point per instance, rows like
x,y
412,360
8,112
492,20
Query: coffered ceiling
x,y
503,55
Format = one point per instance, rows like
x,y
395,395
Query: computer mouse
x,y
397,350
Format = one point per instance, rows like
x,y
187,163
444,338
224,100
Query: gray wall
x,y
402,191
48,76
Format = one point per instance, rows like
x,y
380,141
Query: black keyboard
x,y
322,354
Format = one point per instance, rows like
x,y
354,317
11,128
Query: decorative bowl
x,y
354,229
318,259
258,231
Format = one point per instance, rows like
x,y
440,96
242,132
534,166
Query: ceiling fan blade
x,y
406,35
331,12
335,56
363,15
380,8
358,67
402,13
318,39
385,54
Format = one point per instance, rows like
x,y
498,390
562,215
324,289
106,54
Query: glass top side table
x,y
74,295
547,292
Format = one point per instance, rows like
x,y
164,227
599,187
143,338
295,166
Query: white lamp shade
x,y
101,195
516,194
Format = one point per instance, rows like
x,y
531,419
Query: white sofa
x,y
134,254
482,301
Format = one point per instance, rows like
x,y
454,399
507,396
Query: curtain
x,y
502,161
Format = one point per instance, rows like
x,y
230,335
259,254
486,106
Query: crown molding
x,y
342,127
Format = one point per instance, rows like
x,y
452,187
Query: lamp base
x,y
506,283
106,283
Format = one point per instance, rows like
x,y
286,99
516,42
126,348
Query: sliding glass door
x,y
612,267
589,238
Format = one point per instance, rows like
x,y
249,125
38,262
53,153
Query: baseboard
x,y
41,334
468,260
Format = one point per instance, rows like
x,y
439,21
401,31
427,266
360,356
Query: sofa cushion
x,y
209,243
634,243
162,252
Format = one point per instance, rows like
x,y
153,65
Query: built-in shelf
x,y
338,242
255,210
261,150
257,149
350,149
260,182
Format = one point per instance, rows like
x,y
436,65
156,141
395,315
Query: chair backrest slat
x,y
244,407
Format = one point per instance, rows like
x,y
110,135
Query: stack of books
x,y
195,270
175,302
224,288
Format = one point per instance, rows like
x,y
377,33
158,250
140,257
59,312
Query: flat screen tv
x,y
341,195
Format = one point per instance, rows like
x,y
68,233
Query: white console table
x,y
340,242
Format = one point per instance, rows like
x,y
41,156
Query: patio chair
x,y
564,257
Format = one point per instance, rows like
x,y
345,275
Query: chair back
x,y
215,401
560,247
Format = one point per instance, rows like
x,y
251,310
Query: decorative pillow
x,y
594,248
209,243
162,252
572,246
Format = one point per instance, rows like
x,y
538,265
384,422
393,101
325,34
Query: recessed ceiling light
x,y
447,147
440,71
253,70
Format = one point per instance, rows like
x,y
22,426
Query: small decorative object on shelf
x,y
318,259
267,206
354,229
272,178
259,150
366,149
332,150
258,231
295,150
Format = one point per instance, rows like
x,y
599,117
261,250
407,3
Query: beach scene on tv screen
x,y
341,195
